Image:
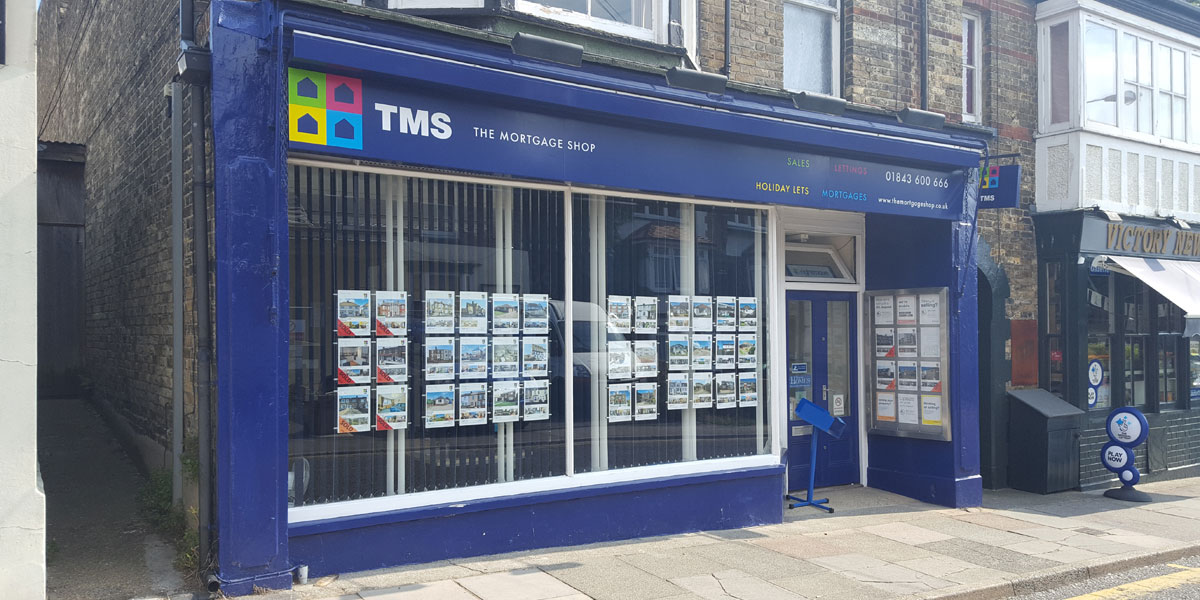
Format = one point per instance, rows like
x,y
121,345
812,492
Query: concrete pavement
x,y
877,545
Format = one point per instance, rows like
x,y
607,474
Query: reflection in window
x,y
810,35
1170,341
1052,285
654,249
1137,328
1101,323
1100,85
1060,73
391,233
639,13
970,67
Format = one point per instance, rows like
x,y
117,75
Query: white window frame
x,y
1074,77
976,54
835,43
774,419
657,33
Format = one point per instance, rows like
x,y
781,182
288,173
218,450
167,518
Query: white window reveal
x,y
811,46
971,32
640,19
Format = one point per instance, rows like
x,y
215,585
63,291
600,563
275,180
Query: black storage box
x,y
1043,442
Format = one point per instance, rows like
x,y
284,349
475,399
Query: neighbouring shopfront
x,y
493,304
1120,312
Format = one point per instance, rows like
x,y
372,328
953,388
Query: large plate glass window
x,y
668,300
393,366
811,39
1136,318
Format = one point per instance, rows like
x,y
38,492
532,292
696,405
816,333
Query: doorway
x,y
822,348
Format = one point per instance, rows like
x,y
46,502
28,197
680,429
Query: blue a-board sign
x,y
366,119
1000,187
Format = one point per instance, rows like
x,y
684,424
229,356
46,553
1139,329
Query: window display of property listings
x,y
425,347
908,331
430,322
668,327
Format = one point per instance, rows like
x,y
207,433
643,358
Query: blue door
x,y
822,351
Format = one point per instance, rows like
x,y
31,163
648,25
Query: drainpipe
x,y
728,13
176,292
203,327
924,54
194,69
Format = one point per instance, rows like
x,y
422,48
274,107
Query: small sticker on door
x,y
838,406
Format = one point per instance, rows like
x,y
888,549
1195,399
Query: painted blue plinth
x,y
664,506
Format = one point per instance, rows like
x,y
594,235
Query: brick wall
x,y
756,40
103,68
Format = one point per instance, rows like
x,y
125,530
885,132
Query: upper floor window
x,y
970,67
641,19
811,39
1133,82
1060,73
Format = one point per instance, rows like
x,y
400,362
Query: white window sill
x,y
366,506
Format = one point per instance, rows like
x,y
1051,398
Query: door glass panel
x,y
799,331
838,349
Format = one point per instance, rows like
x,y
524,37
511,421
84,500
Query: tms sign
x,y
414,122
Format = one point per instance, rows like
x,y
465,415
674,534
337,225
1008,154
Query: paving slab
x,y
520,584
906,533
828,585
610,578
753,560
992,557
438,590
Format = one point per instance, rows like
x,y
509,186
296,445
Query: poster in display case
x,y
645,314
391,314
536,313
391,407
353,313
620,314
909,397
506,401
472,312
472,404
391,360
678,390
645,402
354,409
537,400
354,361
620,406
439,311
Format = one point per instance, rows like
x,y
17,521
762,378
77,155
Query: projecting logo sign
x,y
1000,187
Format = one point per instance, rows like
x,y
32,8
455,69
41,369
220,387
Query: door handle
x,y
825,393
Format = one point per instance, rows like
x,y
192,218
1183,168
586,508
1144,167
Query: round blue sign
x,y
1127,426
1130,476
1116,457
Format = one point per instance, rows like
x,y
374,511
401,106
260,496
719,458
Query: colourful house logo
x,y
325,110
993,178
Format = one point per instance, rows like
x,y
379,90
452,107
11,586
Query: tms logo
x,y
325,110
991,181
414,122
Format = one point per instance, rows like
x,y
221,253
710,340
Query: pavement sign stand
x,y
1127,428
821,420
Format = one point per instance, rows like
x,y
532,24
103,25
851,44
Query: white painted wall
x,y
22,503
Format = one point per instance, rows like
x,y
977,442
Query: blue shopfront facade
x,y
589,165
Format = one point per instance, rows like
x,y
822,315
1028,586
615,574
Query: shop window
x,y
1136,341
1194,366
1100,73
1060,73
971,34
1101,326
811,42
668,297
392,280
430,325
1168,349
1053,335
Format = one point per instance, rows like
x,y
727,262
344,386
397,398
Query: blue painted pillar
x,y
964,347
250,233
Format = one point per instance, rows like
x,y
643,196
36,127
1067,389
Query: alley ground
x,y
98,548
